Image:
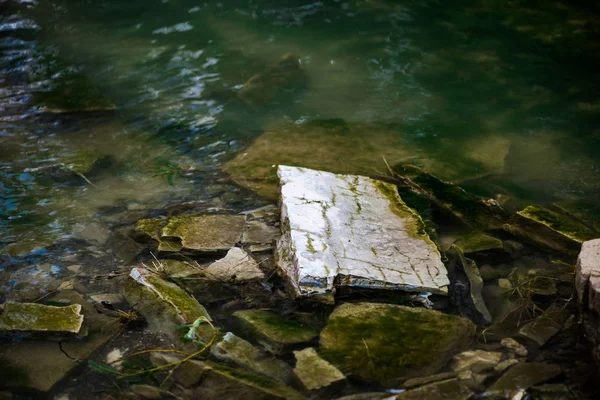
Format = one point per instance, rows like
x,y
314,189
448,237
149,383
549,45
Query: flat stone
x,y
541,329
33,317
587,275
505,364
475,360
205,233
314,373
273,329
511,344
352,231
235,350
164,304
237,266
258,232
92,232
147,392
423,380
525,375
212,381
451,389
385,343
482,247
110,298
549,230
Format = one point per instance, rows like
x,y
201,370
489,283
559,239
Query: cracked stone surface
x,y
355,231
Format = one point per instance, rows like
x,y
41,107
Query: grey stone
x,y
354,230
514,346
236,350
147,392
451,389
423,380
587,275
541,329
92,232
237,265
524,375
314,373
504,365
475,360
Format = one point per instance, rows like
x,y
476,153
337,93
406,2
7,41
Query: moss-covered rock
x,y
33,317
585,211
273,329
205,233
150,227
235,350
385,343
549,230
452,200
315,374
482,247
164,304
541,329
72,92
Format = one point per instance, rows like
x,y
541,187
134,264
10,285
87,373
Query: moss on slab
x,y
151,227
586,211
414,225
206,233
559,223
72,92
33,317
275,329
384,343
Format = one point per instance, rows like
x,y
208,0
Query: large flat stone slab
x,y
354,231
33,317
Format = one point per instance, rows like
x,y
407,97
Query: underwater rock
x,y
423,380
505,364
352,231
72,92
270,85
204,233
147,392
237,265
212,381
385,343
450,199
511,344
585,211
40,364
258,232
236,350
33,317
549,230
468,300
450,389
275,330
164,304
316,374
541,329
475,360
482,247
523,376
92,232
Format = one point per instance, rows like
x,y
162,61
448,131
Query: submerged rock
x,y
423,380
523,376
72,92
385,343
32,317
541,329
352,231
512,345
236,350
316,374
237,265
549,230
482,247
275,330
475,360
164,304
258,232
451,389
205,233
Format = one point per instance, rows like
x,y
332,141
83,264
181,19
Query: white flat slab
x,y
354,231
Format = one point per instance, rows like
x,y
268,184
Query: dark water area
x,y
499,96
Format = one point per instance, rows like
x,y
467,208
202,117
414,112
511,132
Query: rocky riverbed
x,y
401,286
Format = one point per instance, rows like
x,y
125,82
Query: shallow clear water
x,y
510,86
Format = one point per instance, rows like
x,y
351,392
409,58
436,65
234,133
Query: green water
x,y
510,86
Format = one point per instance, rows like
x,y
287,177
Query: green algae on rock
x,y
274,329
205,233
72,92
163,303
482,247
314,373
33,317
238,351
385,343
549,230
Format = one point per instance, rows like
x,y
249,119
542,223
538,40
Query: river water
x,y
510,85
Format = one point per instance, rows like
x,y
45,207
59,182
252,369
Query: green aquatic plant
x,y
168,170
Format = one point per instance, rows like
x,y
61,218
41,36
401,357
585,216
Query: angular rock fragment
x,y
423,380
164,304
316,374
384,343
482,247
525,375
451,389
237,351
475,360
237,265
549,230
352,231
257,232
212,381
33,317
205,233
541,329
275,330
